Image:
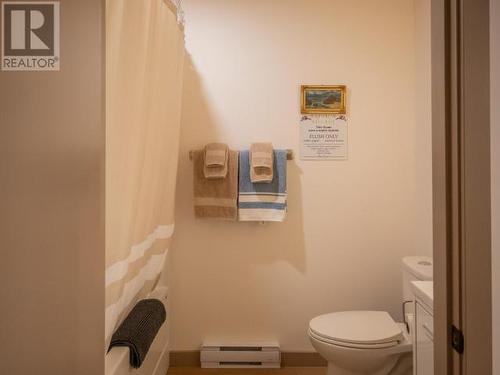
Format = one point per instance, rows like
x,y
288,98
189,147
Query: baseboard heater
x,y
254,355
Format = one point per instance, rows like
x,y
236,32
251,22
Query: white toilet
x,y
369,342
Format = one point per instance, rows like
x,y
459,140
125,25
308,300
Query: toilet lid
x,y
363,327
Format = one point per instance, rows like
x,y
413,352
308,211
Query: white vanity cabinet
x,y
423,338
424,342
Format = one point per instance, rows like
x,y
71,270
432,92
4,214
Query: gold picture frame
x,y
323,99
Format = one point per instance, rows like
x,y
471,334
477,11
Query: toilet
x,y
370,342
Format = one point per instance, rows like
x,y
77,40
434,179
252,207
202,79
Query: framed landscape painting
x,y
323,99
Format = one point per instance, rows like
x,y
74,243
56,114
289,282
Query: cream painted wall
x,y
349,223
423,129
495,175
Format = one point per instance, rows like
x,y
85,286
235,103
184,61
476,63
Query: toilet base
x,y
335,370
404,365
400,366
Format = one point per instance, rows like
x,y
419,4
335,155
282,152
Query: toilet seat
x,y
357,329
351,345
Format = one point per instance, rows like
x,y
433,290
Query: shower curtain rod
x,y
289,154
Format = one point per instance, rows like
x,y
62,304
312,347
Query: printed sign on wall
x,y
323,137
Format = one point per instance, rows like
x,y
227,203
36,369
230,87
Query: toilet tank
x,y
415,268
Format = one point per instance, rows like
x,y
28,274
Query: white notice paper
x,y
323,137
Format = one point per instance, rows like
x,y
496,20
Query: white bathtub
x,y
157,360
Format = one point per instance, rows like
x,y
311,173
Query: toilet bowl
x,y
361,343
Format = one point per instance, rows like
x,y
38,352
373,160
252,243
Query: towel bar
x,y
289,154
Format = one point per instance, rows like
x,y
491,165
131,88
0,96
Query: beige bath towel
x,y
215,198
215,165
261,162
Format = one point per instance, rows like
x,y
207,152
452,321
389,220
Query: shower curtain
x,y
145,54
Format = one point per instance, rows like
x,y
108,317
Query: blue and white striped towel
x,y
262,201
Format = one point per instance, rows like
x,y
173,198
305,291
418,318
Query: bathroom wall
x,y
349,222
423,129
495,176
52,206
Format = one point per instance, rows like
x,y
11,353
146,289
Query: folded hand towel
x,y
261,162
139,329
215,198
263,202
215,160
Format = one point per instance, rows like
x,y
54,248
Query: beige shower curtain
x,y
145,54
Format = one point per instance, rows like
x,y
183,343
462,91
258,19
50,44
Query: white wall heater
x,y
244,355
